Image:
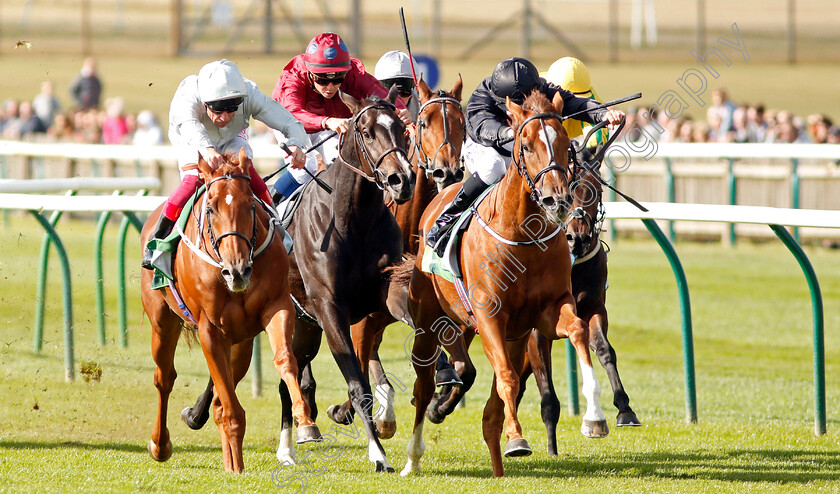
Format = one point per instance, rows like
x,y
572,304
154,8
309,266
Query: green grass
x,y
752,335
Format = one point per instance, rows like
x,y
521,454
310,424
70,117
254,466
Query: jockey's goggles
x,y
326,78
224,105
405,85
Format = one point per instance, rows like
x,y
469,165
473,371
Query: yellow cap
x,y
570,74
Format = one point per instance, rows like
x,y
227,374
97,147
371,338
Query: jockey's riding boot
x,y
277,198
162,228
472,188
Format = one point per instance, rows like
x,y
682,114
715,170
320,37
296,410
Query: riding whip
x,y
308,150
408,46
317,180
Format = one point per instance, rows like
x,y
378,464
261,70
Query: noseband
x,y
375,175
426,162
214,240
553,165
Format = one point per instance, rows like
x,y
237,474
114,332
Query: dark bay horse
x,y
516,276
589,285
436,162
346,243
233,279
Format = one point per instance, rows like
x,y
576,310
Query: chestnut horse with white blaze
x,y
233,278
513,282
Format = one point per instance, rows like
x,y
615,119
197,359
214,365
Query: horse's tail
x,y
400,274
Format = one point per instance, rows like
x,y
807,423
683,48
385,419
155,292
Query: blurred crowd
x,y
727,121
88,119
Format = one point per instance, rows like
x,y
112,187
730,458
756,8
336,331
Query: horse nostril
x,y
548,202
226,273
459,174
246,273
395,180
439,175
570,238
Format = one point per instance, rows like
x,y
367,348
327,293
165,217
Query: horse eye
x,y
421,123
366,134
526,148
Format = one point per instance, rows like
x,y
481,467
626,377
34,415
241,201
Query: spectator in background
x,y
756,123
88,128
740,126
720,114
45,104
114,125
86,88
29,122
818,128
62,129
11,124
148,132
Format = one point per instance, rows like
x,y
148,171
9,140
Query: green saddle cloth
x,y
168,246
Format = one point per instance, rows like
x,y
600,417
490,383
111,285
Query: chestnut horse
x,y
440,135
232,277
589,285
346,243
526,282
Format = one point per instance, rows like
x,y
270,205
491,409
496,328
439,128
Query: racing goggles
x,y
405,85
329,77
224,105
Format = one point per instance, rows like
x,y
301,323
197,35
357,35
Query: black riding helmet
x,y
515,77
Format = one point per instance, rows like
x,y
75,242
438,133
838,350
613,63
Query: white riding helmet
x,y
393,65
220,80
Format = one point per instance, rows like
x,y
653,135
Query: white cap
x,y
392,65
220,80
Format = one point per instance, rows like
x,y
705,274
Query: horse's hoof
x,y
332,413
627,419
435,416
447,377
594,428
160,454
308,433
386,429
517,447
381,467
187,418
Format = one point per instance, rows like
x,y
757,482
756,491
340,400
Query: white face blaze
x,y
228,199
548,136
386,121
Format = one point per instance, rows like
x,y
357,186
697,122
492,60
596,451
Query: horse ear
x,y
515,110
557,101
204,168
456,89
244,161
424,90
350,101
392,94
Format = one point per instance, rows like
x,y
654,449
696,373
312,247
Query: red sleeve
x,y
363,84
293,92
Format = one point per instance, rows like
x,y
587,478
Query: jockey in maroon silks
x,y
308,88
208,117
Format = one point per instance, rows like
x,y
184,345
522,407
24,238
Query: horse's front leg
x,y
571,326
280,328
606,355
336,324
506,386
229,414
539,353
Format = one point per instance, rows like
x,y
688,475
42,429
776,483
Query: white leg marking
x,y
286,449
415,449
385,397
592,392
376,455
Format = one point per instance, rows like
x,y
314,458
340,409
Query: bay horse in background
x,y
589,285
436,162
346,244
233,280
514,279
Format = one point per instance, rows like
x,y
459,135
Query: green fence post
x,y
732,189
794,191
100,282
685,311
818,326
571,370
669,191
69,365
41,294
129,218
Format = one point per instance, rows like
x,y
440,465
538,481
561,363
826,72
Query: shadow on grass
x,y
110,446
740,465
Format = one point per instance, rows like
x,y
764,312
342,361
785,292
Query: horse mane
x,y
537,102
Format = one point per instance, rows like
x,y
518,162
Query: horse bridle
x,y
214,240
553,165
375,175
425,162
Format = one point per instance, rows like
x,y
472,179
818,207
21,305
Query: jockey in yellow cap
x,y
572,75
